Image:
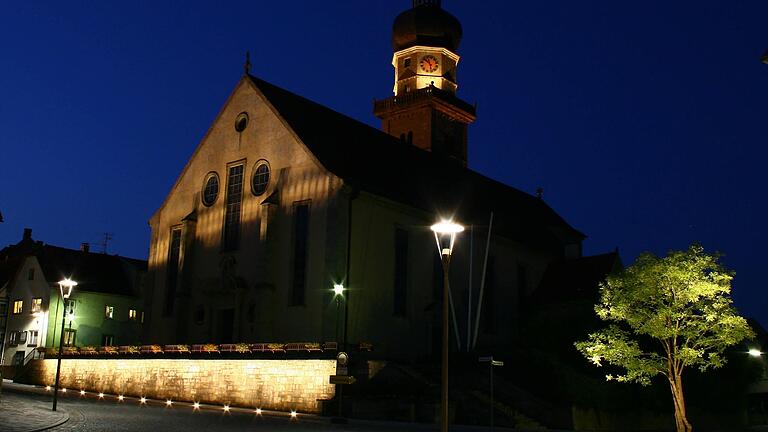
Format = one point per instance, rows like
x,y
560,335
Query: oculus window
x,y
241,122
260,179
211,189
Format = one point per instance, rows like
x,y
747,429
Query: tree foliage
x,y
682,302
667,314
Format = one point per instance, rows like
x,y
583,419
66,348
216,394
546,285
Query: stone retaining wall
x,y
270,384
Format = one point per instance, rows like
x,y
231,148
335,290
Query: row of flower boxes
x,y
241,348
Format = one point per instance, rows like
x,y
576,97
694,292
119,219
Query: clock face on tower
x,y
429,63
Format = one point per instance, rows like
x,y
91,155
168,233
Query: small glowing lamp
x,y
101,395
293,414
47,388
143,400
754,352
338,289
64,390
196,405
168,402
445,236
82,392
226,408
258,411
121,398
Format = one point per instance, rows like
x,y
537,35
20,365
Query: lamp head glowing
x,y
447,227
445,236
754,352
338,289
66,286
196,405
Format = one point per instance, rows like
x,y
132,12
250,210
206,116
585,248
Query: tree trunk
x,y
681,421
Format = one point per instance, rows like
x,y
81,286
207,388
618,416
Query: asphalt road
x,y
110,415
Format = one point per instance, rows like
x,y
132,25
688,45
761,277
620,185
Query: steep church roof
x,y
376,162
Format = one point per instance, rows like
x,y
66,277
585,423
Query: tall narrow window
x,y
32,338
300,240
401,272
37,304
522,285
109,312
18,306
132,314
172,271
489,309
69,337
232,212
107,340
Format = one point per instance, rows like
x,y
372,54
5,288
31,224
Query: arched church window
x,y
241,122
211,188
260,179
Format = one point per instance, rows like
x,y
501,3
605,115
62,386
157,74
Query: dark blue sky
x,y
644,122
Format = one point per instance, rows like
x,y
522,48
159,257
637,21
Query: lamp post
x,y
445,237
65,287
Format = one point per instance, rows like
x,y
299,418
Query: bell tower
x,y
424,110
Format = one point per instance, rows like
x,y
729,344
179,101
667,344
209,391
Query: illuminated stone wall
x,y
271,384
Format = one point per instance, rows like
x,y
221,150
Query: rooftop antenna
x,y
247,65
105,240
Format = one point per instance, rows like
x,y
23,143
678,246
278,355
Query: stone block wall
x,y
270,384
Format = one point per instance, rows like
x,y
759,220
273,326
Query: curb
x,y
20,389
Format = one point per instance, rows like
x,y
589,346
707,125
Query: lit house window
x,y
13,338
32,338
132,314
69,337
18,305
22,337
109,312
37,304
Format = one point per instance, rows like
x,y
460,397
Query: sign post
x,y
491,363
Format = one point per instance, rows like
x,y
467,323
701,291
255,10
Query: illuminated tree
x,y
667,314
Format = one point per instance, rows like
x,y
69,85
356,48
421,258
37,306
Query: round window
x,y
260,177
211,189
241,122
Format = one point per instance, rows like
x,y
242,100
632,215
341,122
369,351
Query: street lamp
x,y
445,237
65,287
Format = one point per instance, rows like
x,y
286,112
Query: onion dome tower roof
x,y
427,24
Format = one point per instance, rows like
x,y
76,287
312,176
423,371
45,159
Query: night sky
x,y
644,122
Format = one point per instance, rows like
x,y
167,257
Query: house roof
x,y
578,278
376,162
94,272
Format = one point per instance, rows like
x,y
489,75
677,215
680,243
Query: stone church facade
x,y
284,198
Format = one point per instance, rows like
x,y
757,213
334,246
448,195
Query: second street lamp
x,y
445,236
65,288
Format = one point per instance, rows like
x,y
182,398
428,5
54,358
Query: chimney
x,y
27,234
85,247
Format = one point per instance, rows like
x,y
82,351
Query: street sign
x,y
497,363
342,379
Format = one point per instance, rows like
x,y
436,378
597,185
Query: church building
x,y
285,198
